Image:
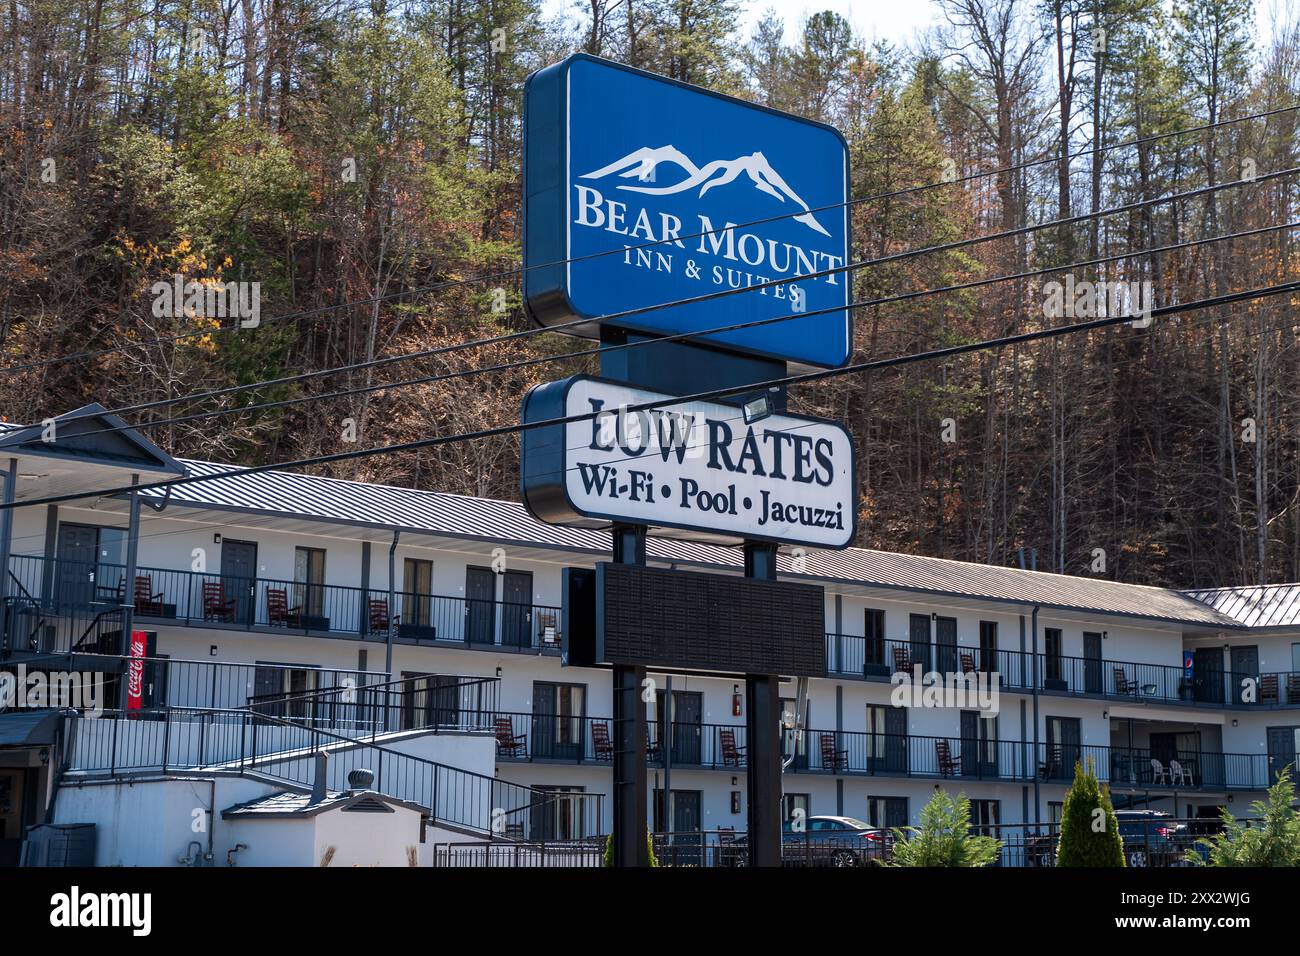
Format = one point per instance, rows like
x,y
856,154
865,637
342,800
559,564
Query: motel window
x,y
874,650
429,700
559,712
417,591
988,646
793,802
279,689
1052,653
558,813
979,742
887,812
1054,811
1295,658
309,580
877,728
985,815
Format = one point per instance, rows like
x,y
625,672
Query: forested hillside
x,y
339,152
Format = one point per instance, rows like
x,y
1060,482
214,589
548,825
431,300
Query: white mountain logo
x,y
642,163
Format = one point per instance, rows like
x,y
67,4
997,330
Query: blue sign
x,y
617,159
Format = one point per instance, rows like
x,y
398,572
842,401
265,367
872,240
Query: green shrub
x,y
1274,842
944,837
649,848
1089,830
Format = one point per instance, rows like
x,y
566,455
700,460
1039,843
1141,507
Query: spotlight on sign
x,y
757,409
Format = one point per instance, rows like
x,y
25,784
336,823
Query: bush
x,y
1274,842
1089,830
944,837
609,850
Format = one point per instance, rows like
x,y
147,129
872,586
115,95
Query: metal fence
x,y
241,741
1154,842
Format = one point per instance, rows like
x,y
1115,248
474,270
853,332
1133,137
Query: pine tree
x,y
944,837
1089,829
1275,841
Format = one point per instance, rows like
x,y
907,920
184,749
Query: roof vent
x,y
360,779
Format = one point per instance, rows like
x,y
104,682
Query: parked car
x,y
826,841
1153,838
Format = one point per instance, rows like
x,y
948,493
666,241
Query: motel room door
x,y
517,608
1092,662
1207,671
480,605
78,552
238,576
1283,743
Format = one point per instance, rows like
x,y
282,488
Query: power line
x,y
681,336
786,381
453,283
1293,324
707,297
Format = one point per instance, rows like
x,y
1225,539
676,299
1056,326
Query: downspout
x,y
128,587
388,652
1033,646
6,545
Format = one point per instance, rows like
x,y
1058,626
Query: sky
x,y
897,21
893,20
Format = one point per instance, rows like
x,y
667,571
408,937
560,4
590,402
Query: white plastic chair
x,y
1158,774
1180,776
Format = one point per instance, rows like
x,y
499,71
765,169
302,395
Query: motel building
x,y
295,670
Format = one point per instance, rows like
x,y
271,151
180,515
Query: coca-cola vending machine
x,y
141,681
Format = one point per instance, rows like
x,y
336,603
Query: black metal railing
x,y
434,702
526,855
1153,841
579,739
181,683
284,751
46,593
849,655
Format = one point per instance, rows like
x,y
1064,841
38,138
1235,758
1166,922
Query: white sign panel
x,y
695,466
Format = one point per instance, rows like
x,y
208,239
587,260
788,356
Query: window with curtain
x,y
309,580
417,591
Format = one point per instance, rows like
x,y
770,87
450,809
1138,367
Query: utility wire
x,y
786,381
683,336
453,283
1293,324
707,297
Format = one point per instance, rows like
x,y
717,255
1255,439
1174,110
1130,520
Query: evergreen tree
x,y
944,837
1273,839
1089,830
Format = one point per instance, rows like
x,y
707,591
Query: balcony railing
x,y
850,655
577,739
240,741
433,702
46,593
180,683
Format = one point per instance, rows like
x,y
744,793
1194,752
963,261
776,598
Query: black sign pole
x,y
762,736
630,779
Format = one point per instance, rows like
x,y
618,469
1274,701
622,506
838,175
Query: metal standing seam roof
x,y
336,500
28,728
292,804
1272,605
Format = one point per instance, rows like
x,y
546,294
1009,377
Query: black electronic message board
x,y
687,620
